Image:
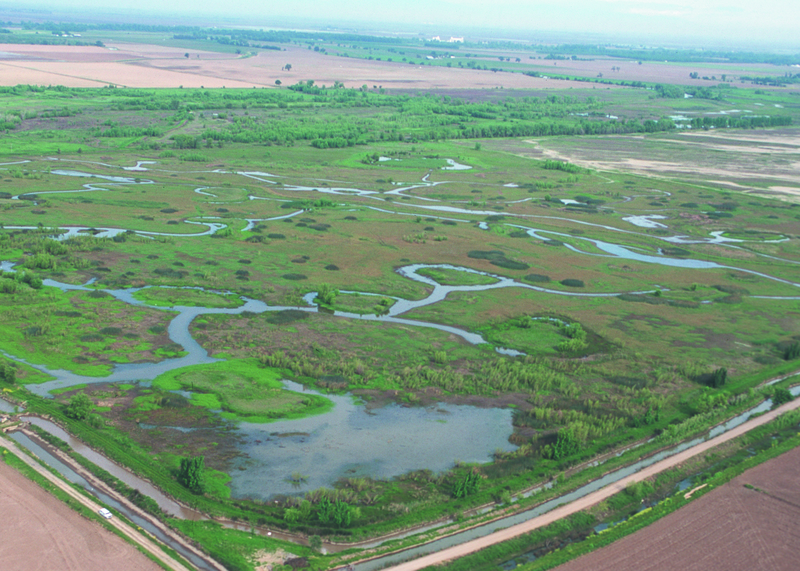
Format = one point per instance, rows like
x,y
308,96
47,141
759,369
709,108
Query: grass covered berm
x,y
243,390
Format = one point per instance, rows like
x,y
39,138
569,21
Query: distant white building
x,y
453,40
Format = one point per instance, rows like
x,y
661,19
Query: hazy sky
x,y
769,22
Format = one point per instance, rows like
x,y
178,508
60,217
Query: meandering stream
x,y
350,440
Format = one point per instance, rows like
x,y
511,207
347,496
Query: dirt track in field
x,y
730,529
591,499
40,532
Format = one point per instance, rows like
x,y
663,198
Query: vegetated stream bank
x,y
436,545
381,443
612,250
291,438
610,478
311,444
303,435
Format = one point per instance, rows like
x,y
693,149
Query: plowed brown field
x,y
141,65
38,532
733,528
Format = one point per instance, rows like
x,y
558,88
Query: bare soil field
x,y
140,65
41,533
730,529
744,160
657,72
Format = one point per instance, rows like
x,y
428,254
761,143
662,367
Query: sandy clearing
x,y
762,149
622,159
761,137
794,191
40,532
731,184
589,500
739,171
728,528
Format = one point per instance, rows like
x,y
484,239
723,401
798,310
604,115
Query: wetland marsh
x,y
409,338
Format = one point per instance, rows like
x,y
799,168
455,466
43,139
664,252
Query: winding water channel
x,y
351,441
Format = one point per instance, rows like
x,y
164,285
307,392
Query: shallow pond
x,y
354,441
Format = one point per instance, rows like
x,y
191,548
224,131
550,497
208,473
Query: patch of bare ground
x,y
792,191
748,156
266,561
40,532
776,137
731,528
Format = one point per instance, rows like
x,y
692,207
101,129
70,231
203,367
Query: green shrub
x,y
781,396
792,351
536,278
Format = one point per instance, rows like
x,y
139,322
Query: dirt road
x,y
589,500
135,536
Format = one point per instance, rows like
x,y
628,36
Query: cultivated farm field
x,y
746,524
41,532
